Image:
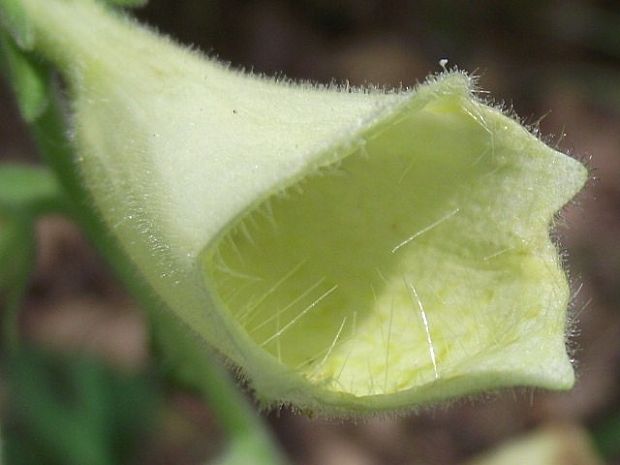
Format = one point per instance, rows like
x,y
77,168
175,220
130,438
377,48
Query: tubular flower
x,y
349,250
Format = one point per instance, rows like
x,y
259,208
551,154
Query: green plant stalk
x,y
234,413
16,264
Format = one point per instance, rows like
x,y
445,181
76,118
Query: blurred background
x,y
556,63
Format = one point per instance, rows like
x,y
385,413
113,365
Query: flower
x,y
349,250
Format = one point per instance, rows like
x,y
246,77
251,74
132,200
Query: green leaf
x,y
74,411
351,251
29,189
606,436
25,193
14,19
27,76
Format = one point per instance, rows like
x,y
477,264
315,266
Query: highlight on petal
x,y
349,251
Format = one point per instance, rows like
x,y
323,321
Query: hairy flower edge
x,y
415,262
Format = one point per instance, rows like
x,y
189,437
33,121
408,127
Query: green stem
x,y
16,264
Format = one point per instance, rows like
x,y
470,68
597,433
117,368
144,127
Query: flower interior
x,y
420,256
